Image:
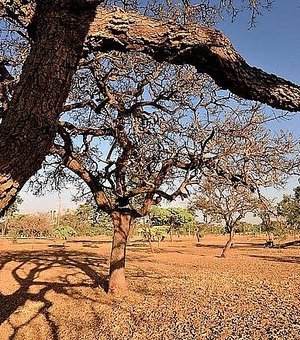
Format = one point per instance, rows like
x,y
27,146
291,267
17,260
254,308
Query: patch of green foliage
x,y
63,232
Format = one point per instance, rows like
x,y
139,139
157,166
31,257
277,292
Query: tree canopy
x,y
61,32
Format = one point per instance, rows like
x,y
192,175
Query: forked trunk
x,y
228,243
117,280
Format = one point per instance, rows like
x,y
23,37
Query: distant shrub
x,y
63,232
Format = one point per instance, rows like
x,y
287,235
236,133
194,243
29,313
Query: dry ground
x,y
182,291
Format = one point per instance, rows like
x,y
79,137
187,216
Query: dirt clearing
x,y
182,291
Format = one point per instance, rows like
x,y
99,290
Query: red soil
x,y
182,291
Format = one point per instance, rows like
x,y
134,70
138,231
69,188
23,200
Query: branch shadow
x,y
285,259
213,246
90,241
237,245
85,273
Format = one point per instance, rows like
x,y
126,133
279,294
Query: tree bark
x,y
228,243
29,126
206,49
117,280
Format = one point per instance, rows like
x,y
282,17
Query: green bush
x,y
63,232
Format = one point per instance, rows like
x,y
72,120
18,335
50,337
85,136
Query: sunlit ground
x,y
183,290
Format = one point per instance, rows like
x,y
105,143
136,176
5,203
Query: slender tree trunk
x,y
158,242
5,225
198,235
150,244
270,236
171,235
117,280
270,240
27,130
228,243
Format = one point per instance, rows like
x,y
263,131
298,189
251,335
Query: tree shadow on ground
x,y
213,246
156,250
90,241
237,245
286,259
27,274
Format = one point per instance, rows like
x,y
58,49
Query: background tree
x,y
273,224
289,209
266,211
178,220
63,232
87,221
9,215
38,225
56,31
223,202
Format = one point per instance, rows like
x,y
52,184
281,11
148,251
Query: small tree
x,y
178,220
267,213
273,224
153,234
226,203
289,209
63,232
9,215
37,225
86,220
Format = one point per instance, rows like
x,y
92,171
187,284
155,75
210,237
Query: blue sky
x,y
273,45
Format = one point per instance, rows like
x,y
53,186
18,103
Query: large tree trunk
x,y
28,128
228,243
117,280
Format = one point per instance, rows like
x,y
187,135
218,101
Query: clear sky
x,y
273,45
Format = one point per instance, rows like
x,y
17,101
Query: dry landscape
x,y
183,290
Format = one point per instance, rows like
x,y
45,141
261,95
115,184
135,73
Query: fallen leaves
x,y
177,293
